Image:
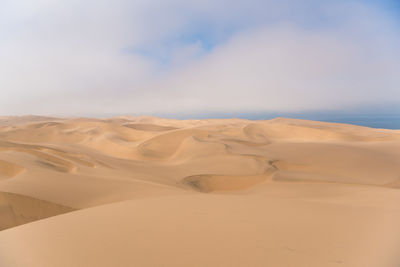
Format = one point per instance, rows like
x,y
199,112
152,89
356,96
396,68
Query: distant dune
x,y
146,191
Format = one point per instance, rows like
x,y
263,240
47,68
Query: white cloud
x,y
86,57
286,69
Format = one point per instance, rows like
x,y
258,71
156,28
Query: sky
x,y
163,57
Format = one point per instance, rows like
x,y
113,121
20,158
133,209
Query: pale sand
x,y
145,191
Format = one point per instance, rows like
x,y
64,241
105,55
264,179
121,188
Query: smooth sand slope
x,y
145,191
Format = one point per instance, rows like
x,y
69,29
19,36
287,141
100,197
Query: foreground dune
x,y
145,191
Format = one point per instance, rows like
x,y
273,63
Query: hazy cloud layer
x,y
137,57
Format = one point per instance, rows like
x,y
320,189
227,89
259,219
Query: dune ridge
x,y
218,192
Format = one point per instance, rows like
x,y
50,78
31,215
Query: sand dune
x,y
146,191
149,127
214,183
8,169
18,209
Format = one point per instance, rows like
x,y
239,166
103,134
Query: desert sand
x,y
146,191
